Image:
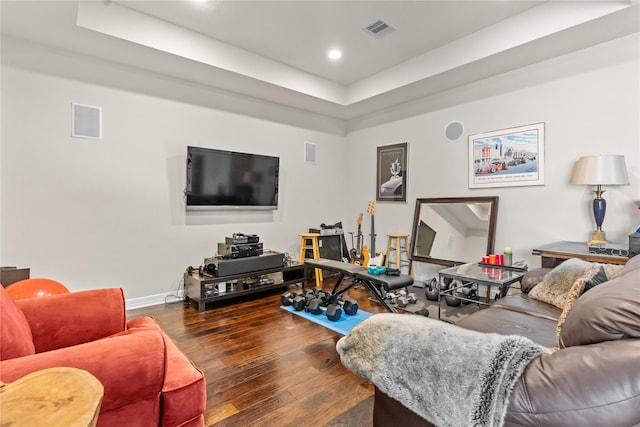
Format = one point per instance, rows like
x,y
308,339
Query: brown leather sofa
x,y
592,380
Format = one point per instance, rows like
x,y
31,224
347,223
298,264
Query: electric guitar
x,y
375,259
365,256
356,252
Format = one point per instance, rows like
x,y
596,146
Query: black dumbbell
x,y
469,294
297,300
287,298
451,300
309,295
334,312
423,312
314,306
402,301
299,303
393,298
350,307
432,289
319,293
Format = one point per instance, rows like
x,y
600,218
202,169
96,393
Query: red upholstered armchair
x,y
147,380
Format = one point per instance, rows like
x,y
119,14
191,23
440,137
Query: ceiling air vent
x,y
379,28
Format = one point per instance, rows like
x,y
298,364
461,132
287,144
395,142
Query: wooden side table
x,y
555,253
56,397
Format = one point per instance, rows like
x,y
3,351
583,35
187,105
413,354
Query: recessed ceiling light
x,y
334,54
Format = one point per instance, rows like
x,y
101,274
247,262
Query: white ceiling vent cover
x,y
379,29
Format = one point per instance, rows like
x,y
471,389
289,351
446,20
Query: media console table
x,y
555,253
200,289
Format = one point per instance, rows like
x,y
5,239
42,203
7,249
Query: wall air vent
x,y
379,29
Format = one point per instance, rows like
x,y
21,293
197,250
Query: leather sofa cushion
x,y
532,278
607,312
508,322
15,334
522,303
593,385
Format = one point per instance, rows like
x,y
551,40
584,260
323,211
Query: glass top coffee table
x,y
477,274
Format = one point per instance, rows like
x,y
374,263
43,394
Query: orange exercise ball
x,y
35,288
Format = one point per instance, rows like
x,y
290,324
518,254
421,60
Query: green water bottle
x,y
507,256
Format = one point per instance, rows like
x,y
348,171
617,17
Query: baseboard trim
x,y
156,299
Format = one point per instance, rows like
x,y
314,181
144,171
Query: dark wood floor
x,y
265,366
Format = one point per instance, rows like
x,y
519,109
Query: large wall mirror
x,y
454,230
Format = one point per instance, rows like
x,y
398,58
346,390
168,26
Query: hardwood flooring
x,y
265,366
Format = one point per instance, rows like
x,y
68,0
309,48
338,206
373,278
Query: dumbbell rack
x,y
200,289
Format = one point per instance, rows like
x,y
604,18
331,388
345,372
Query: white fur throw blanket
x,y
446,374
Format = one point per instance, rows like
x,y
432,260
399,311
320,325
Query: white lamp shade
x,y
600,170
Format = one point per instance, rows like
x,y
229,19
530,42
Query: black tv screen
x,y
219,179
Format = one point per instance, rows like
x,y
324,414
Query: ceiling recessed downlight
x,y
334,54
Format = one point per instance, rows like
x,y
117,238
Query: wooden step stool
x,y
398,243
309,241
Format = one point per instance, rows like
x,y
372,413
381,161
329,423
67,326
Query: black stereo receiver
x,y
239,251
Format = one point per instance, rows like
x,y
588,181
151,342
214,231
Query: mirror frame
x,y
493,217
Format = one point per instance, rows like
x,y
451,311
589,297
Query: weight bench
x,y
378,285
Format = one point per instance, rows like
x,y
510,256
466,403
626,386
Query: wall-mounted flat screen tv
x,y
219,179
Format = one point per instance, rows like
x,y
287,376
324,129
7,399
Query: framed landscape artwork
x,y
507,158
391,182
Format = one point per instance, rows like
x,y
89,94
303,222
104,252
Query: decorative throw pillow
x,y
595,280
15,333
556,284
592,277
608,312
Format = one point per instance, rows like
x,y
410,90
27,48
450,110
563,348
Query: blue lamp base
x,y
599,209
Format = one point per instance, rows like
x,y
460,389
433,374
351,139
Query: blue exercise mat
x,y
341,326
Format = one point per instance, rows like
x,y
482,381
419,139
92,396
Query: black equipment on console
x,y
234,251
241,238
227,267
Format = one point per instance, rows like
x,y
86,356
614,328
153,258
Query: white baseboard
x,y
156,299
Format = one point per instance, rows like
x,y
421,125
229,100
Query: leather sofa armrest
x,y
595,385
65,320
131,367
532,278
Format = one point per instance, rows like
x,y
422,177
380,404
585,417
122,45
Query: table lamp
x,y
600,170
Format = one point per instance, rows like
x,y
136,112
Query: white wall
x,y
111,213
593,109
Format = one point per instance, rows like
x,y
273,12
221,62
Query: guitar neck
x,y
373,236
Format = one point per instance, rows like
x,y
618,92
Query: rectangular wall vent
x,y
309,152
86,121
379,28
